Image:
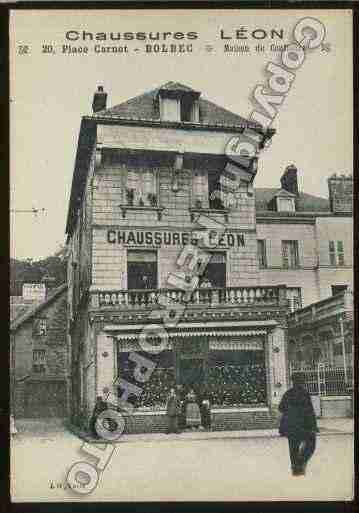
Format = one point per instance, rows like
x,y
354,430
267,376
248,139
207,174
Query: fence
x,y
325,380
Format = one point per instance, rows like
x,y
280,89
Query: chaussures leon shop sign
x,y
173,238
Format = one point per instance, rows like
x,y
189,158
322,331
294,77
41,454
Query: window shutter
x,y
340,252
124,183
298,253
197,186
332,252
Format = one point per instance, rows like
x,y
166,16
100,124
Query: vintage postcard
x,y
181,255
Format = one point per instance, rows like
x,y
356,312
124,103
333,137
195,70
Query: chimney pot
x,y
289,180
99,100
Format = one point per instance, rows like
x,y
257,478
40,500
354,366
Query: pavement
x,y
191,466
327,426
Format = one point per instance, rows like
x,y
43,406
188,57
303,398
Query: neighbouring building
x,y
143,189
39,357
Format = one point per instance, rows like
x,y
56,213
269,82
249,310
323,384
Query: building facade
x,y
148,188
39,359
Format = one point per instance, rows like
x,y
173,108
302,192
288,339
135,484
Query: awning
x,y
244,333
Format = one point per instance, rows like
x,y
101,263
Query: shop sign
x,y
169,238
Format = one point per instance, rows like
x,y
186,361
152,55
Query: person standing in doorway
x,y
172,412
298,424
193,413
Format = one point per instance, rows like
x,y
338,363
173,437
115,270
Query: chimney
x,y
99,100
289,180
341,193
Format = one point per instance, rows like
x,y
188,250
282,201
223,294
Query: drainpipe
x,y
343,349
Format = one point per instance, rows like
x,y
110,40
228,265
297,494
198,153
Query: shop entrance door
x,y
191,373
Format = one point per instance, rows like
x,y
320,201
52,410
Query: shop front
x,y
235,369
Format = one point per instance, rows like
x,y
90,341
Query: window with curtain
x,y
290,255
141,187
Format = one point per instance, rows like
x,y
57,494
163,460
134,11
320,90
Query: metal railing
x,y
325,380
332,305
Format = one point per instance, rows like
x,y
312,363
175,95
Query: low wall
x,y
336,406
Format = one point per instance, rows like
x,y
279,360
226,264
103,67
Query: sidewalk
x,y
329,426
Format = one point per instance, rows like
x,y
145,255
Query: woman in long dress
x,y
193,413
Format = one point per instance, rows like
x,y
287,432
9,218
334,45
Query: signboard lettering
x,y
151,238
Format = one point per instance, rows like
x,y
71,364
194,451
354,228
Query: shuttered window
x,y
336,253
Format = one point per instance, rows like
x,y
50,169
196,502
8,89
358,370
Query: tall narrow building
x,y
169,281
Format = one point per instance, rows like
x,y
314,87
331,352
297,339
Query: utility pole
x,y
33,210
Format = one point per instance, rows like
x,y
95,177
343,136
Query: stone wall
x,y
54,342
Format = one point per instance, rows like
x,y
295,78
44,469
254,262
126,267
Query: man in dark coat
x,y
172,412
299,424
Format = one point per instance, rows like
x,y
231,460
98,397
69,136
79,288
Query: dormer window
x,y
170,109
178,103
283,201
285,204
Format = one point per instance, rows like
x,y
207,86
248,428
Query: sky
x,y
49,93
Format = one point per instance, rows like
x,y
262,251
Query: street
x,y
217,469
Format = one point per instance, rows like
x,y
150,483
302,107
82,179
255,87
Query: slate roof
x,y
18,306
305,203
36,308
145,107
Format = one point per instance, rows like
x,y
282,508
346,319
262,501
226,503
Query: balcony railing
x,y
230,296
339,304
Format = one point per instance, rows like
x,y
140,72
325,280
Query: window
x,y
184,108
316,354
40,327
285,205
337,349
299,356
290,254
38,360
141,188
215,272
294,295
141,269
199,189
262,253
337,289
170,109
348,345
214,191
336,253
